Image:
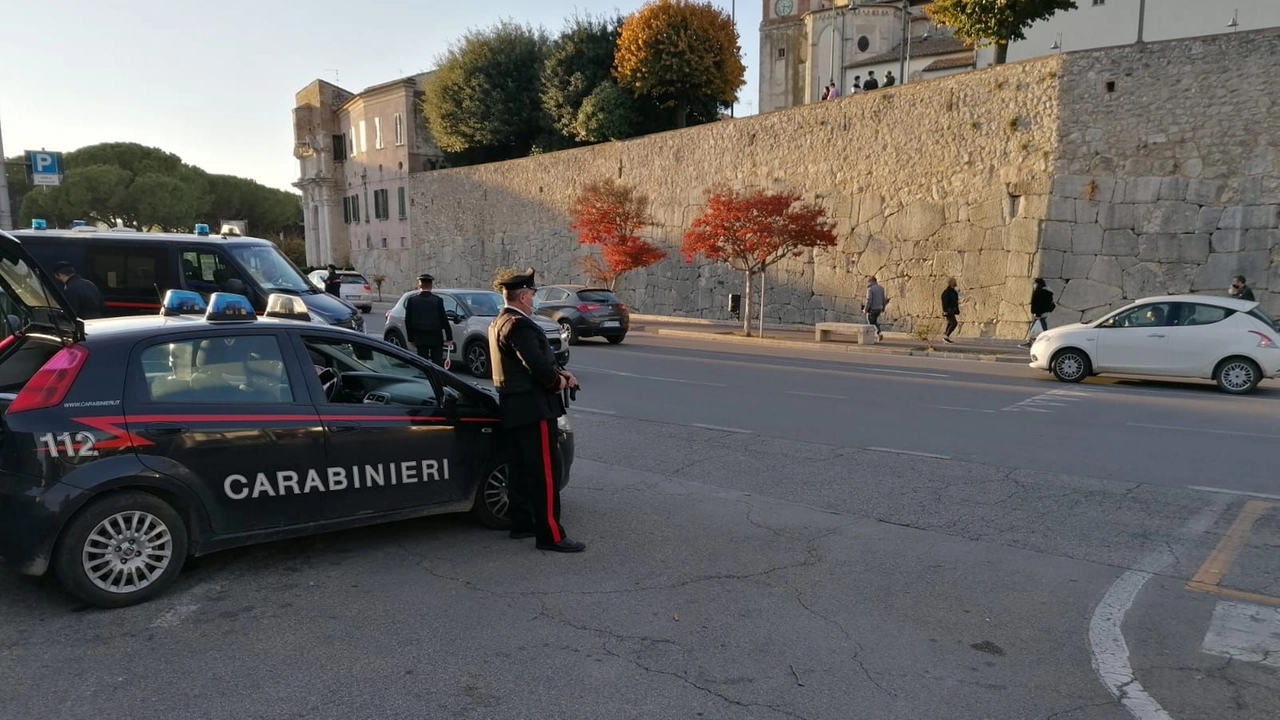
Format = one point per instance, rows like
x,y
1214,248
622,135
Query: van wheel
x,y
1070,366
121,550
1237,375
493,506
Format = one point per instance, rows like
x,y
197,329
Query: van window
x,y
206,271
127,271
270,268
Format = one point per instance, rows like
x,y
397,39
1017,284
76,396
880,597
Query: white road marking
x,y
186,604
902,372
1264,496
1244,631
1106,636
1204,430
723,429
646,377
592,410
909,452
948,407
821,395
1053,398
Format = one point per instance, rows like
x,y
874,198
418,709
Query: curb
x,y
850,349
995,344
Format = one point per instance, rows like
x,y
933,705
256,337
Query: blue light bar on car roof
x,y
182,302
202,229
229,307
38,224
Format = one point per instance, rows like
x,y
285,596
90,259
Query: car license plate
x,y
609,323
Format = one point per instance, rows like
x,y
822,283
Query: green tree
x,y
680,53
578,63
15,170
608,113
994,22
484,102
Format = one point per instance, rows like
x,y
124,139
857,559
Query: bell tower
x,y
783,52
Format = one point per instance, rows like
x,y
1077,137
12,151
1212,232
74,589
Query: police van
x,y
133,270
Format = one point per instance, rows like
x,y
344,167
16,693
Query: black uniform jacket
x,y
524,370
424,318
85,298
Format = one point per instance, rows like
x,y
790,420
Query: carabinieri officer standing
x,y
529,385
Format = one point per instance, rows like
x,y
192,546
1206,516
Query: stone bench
x,y
866,334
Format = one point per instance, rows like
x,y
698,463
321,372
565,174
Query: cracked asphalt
x,y
750,556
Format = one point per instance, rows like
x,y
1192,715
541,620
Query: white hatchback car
x,y
1189,336
355,287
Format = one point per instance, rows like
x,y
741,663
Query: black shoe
x,y
948,341
566,546
520,534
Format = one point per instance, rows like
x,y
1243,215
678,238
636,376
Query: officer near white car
x,y
529,385
426,323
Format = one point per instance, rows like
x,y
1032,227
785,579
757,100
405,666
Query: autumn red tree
x,y
612,214
752,230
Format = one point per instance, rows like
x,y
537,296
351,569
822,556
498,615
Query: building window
x,y
346,210
399,129
355,208
364,144
377,134
404,211
1096,3
384,243
381,207
351,143
782,53
339,148
404,242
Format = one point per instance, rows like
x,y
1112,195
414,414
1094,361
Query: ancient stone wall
x,y
1164,181
1167,174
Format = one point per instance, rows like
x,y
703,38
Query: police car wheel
x,y
492,507
121,550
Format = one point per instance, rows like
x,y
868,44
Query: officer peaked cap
x,y
516,282
424,277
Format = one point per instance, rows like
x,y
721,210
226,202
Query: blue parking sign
x,y
46,167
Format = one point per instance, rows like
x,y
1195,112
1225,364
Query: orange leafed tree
x,y
611,214
752,230
678,52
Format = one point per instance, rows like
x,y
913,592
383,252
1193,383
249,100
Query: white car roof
x,y
1218,300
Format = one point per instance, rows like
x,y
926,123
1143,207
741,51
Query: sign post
x,y
46,167
6,212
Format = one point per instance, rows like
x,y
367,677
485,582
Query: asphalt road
x,y
771,535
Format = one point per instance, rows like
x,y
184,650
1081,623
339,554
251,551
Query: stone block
x,y
960,236
948,263
1173,188
1107,271
1262,239
1087,211
1056,236
1116,217
1167,247
1177,278
1205,192
1049,264
985,268
918,221
1143,280
1216,274
1120,242
1228,241
1208,220
1071,186
1023,236
1018,266
1142,190
1086,239
870,206
995,238
1075,267
1118,193
1249,217
1086,294
1168,216
1060,208
987,214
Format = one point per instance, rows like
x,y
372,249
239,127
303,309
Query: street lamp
x,y
6,212
1057,44
1235,22
1142,17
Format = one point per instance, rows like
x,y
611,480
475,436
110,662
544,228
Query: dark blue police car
x,y
129,444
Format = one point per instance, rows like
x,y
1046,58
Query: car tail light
x,y
50,383
367,288
622,307
587,308
1265,340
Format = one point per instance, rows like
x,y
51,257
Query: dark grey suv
x,y
584,311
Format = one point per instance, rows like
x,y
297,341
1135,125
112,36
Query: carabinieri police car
x,y
129,444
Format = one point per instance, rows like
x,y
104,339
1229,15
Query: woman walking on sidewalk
x,y
950,309
1041,306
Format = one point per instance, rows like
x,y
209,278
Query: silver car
x,y
355,287
471,311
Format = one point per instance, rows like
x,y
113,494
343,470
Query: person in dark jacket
x,y
950,309
83,296
426,322
1239,290
529,385
1041,306
333,281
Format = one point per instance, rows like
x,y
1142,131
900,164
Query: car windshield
x,y
482,302
354,280
271,269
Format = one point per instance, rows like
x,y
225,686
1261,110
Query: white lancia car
x,y
1226,340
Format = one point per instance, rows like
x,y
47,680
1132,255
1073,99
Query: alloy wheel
x,y
127,551
478,360
1069,366
495,491
1237,376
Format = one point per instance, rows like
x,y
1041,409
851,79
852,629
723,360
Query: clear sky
x,y
214,82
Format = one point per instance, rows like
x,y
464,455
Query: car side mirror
x,y
453,316
450,401
12,324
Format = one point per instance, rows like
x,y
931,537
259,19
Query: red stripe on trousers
x,y
556,535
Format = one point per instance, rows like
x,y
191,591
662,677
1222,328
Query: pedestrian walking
x,y
529,385
1041,305
875,303
426,323
82,295
1239,290
333,281
950,309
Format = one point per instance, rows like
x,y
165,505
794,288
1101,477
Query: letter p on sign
x,y
46,167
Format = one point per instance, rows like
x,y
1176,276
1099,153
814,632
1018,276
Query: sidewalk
x,y
802,336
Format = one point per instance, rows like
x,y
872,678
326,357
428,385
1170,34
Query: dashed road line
x,y
909,452
647,377
1106,636
1244,493
903,372
821,395
593,411
965,409
1204,430
1051,399
721,428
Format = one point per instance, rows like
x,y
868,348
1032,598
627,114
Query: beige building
x,y
355,153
